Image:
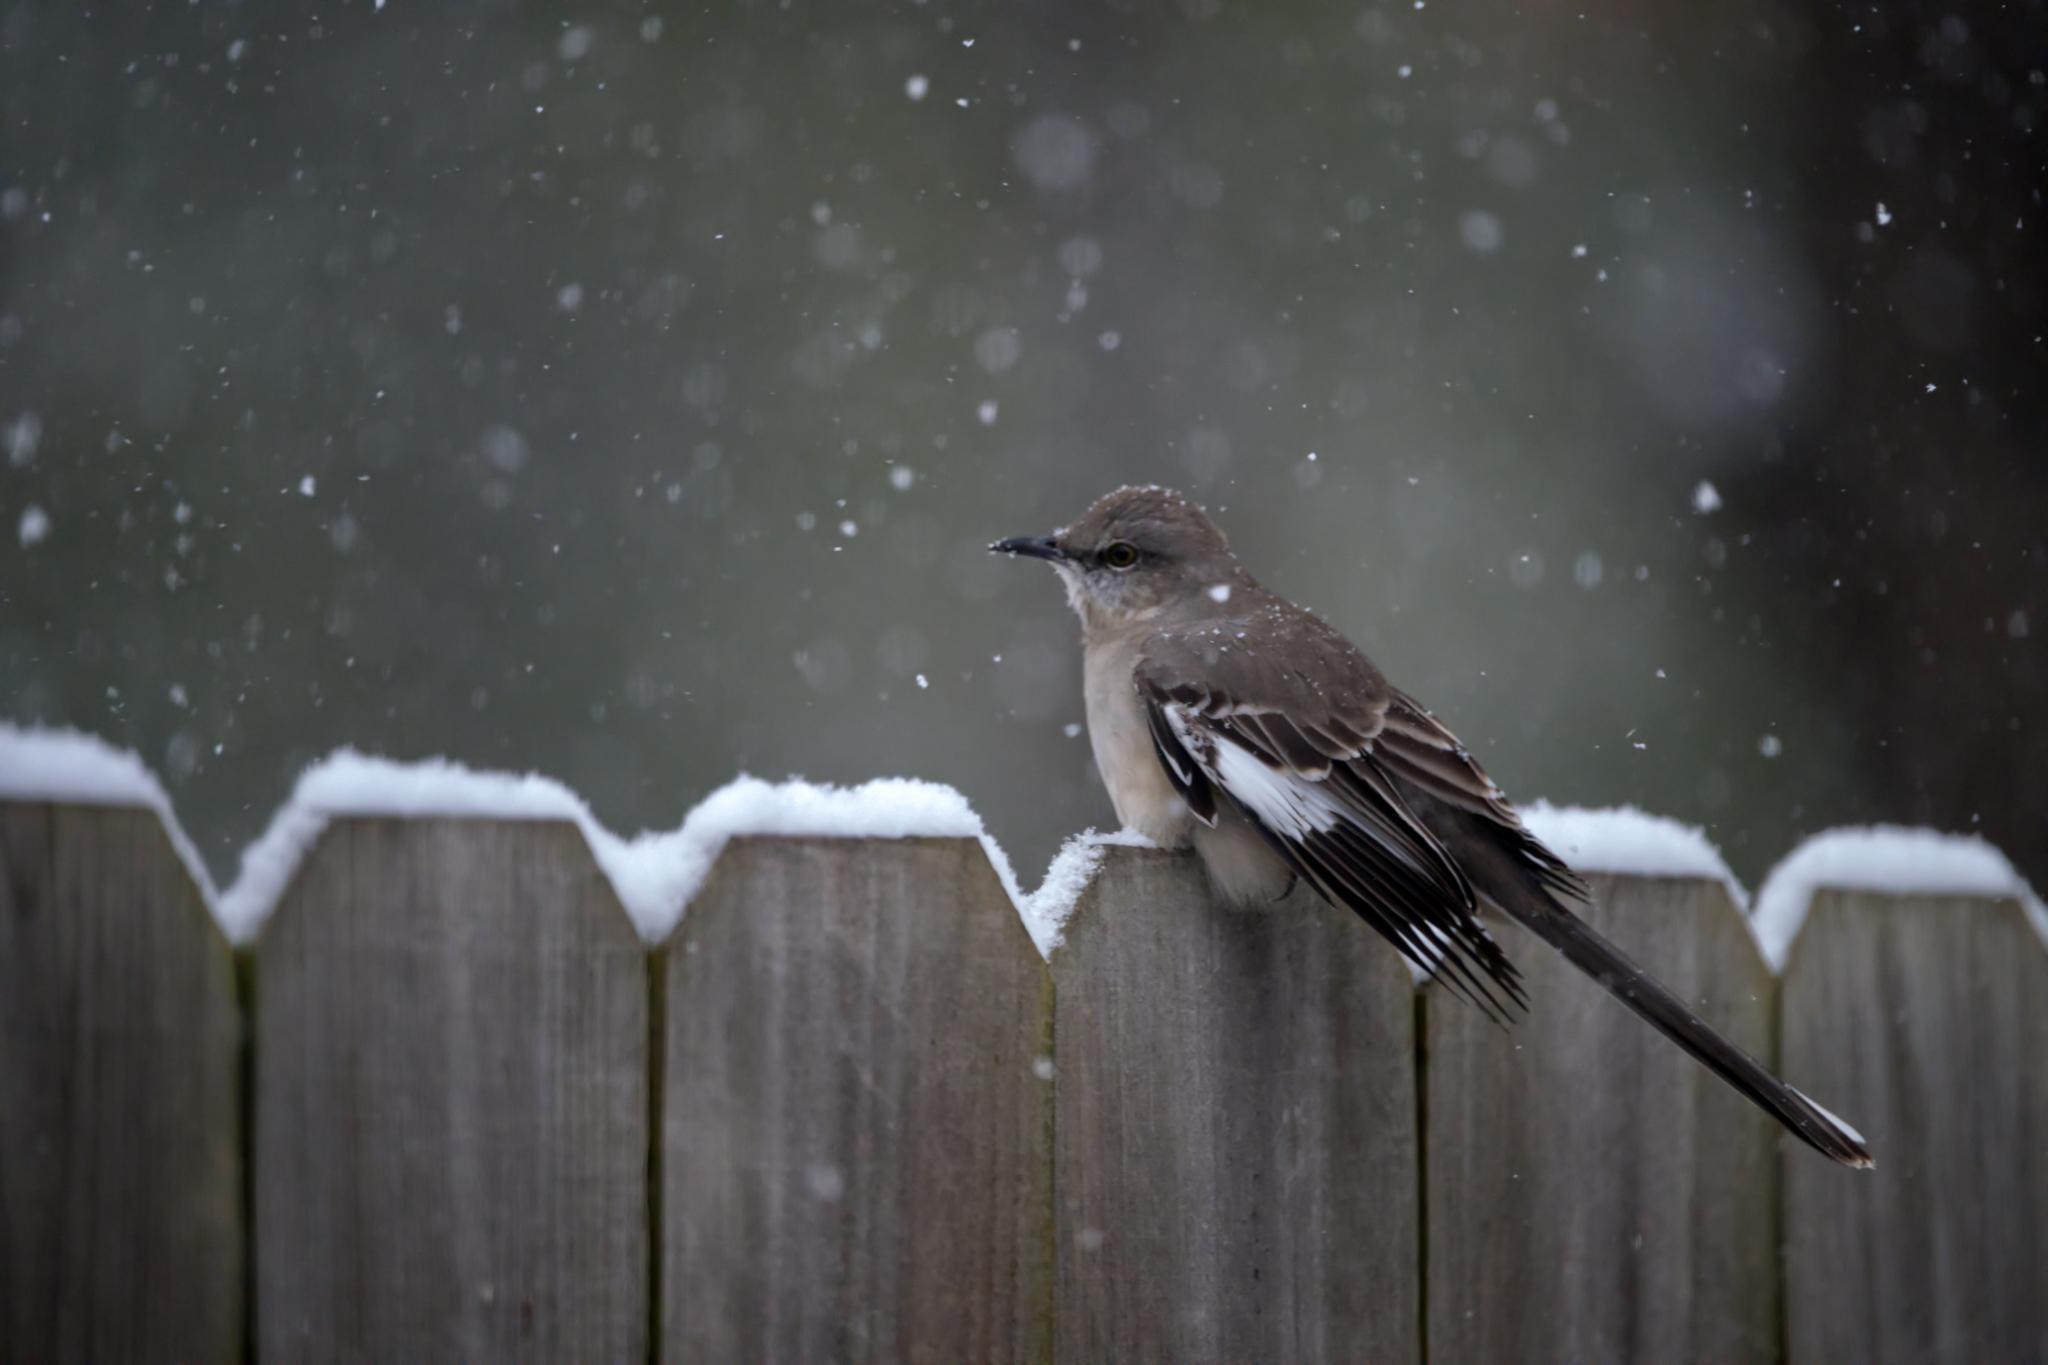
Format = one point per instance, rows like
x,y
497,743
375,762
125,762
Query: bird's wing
x,y
1417,750
1317,774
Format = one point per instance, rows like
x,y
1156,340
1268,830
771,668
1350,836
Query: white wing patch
x,y
1286,803
1295,807
1172,757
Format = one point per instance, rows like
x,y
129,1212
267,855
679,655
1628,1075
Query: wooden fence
x,y
449,1106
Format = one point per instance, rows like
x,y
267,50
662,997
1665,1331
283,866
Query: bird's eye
x,y
1120,554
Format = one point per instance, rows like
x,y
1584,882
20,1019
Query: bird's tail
x,y
1585,949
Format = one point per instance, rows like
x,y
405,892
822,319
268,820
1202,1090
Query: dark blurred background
x,y
628,392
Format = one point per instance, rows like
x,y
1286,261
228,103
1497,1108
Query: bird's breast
x,y
1144,799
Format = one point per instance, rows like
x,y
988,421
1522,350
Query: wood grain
x,y
1925,1022
1236,1130
855,1151
1593,1193
451,1101
120,1109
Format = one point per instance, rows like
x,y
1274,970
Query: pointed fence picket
x,y
451,1099
121,1158
1926,1019
845,1111
1592,1193
855,1110
1236,1148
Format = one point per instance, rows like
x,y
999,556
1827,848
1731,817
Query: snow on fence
x,y
444,1102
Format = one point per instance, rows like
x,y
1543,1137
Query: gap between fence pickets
x,y
656,873
1891,859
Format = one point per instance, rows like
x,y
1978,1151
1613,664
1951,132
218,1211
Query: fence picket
x,y
1236,1135
121,1231
1926,1020
1593,1193
451,1133
856,1112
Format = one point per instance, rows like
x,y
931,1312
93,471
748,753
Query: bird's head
x,y
1139,554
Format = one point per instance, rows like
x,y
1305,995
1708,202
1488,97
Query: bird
x,y
1226,719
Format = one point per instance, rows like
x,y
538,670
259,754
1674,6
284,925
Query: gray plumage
x,y
1226,719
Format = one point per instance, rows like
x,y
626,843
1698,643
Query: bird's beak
x,y
1031,547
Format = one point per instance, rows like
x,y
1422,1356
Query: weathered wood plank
x,y
451,1101
1593,1193
1236,1130
120,1106
855,1131
1925,1020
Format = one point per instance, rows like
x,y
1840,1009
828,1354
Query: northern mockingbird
x,y
1227,718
